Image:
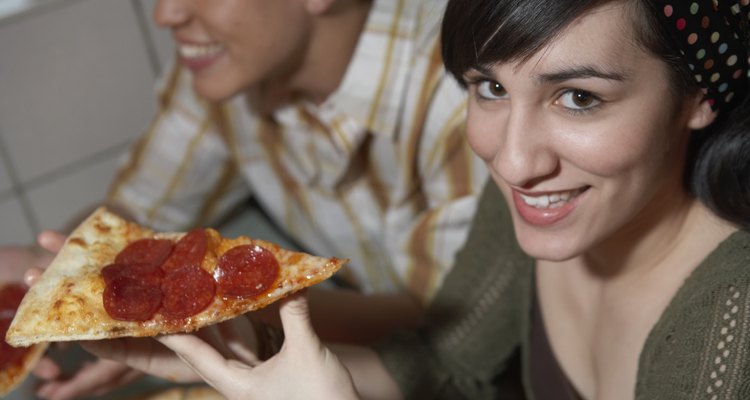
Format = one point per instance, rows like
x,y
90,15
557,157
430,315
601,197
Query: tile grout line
x,y
153,58
76,165
18,190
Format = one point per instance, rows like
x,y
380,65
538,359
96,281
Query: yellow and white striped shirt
x,y
379,173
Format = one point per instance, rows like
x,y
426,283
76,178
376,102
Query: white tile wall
x,y
15,229
57,202
160,37
5,182
78,81
77,88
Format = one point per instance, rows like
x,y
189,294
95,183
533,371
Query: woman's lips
x,y
544,209
197,56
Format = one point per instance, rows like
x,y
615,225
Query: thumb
x,y
295,318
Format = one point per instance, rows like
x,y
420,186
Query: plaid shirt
x,y
379,173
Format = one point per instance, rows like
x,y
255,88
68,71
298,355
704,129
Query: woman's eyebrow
x,y
581,73
563,75
481,69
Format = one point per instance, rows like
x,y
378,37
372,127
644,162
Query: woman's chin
x,y
547,247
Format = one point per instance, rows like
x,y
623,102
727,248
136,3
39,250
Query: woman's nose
x,y
170,13
526,152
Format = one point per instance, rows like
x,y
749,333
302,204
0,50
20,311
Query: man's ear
x,y
318,7
701,114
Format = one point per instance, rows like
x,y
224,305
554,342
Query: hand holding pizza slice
x,y
113,278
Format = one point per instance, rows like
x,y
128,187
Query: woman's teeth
x,y
199,50
550,200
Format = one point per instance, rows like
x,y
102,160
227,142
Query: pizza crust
x,y
66,302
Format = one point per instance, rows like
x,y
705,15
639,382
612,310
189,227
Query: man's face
x,y
230,45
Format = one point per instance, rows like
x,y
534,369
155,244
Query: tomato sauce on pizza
x,y
157,276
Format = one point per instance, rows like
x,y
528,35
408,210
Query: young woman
x,y
610,258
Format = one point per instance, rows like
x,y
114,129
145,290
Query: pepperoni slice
x,y
145,251
187,291
189,250
144,273
127,299
246,271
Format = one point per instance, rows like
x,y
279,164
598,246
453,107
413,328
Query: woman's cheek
x,y
482,138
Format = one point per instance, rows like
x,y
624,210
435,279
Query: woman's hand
x,y
303,368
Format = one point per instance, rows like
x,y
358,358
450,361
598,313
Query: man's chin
x,y
212,93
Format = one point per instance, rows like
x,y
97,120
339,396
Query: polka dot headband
x,y
712,36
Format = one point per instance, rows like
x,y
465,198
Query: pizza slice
x,y
15,363
114,278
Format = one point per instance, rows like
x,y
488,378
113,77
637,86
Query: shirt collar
x,y
373,88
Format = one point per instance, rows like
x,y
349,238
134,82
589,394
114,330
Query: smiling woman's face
x,y
229,45
584,139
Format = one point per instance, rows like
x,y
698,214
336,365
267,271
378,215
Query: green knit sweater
x,y
476,339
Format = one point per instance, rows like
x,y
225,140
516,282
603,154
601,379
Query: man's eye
x,y
491,90
578,100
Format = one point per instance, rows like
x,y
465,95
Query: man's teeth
x,y
199,50
553,200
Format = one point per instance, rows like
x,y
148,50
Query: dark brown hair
x,y
483,33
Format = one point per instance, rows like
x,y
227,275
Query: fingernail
x,y
30,276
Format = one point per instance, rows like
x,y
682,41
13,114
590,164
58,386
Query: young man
x,y
338,118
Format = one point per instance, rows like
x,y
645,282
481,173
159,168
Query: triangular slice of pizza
x,y
115,278
15,363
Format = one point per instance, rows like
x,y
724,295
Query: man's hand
x,y
16,260
92,379
51,242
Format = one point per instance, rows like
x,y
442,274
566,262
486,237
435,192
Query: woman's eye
x,y
578,100
491,90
